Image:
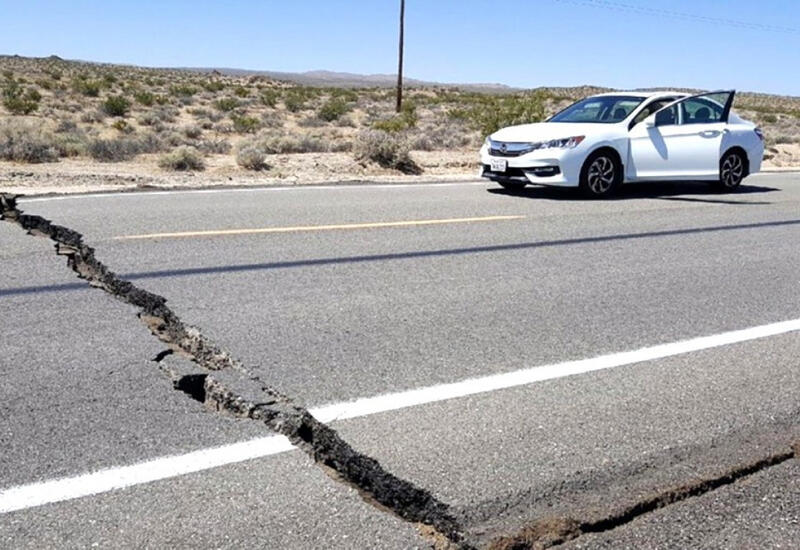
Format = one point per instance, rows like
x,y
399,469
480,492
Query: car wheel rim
x,y
601,175
732,171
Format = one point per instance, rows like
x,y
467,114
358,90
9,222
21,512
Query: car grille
x,y
509,149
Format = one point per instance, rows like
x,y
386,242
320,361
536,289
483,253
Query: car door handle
x,y
710,133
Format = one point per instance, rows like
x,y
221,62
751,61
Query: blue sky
x,y
526,43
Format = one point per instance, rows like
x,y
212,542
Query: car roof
x,y
644,94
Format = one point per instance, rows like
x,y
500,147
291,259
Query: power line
x,y
672,14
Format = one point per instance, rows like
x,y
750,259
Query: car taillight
x,y
759,133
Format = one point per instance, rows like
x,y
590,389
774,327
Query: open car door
x,y
683,140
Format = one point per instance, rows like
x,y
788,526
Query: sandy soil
x,y
82,175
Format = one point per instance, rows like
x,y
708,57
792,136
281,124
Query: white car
x,y
609,139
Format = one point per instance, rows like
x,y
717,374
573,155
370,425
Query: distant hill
x,y
353,80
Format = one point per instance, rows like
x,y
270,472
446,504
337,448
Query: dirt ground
x,y
82,175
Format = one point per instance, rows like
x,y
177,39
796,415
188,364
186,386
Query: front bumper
x,y
556,167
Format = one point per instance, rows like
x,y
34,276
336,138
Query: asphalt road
x,y
466,281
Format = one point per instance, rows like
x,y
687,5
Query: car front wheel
x,y
731,171
601,174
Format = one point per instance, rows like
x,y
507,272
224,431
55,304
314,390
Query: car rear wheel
x,y
731,171
601,174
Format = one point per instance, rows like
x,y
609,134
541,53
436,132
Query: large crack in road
x,y
227,386
233,389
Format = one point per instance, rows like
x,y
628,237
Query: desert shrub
x,y
407,118
294,102
144,97
241,91
89,88
444,135
344,94
26,141
123,148
245,124
158,115
311,122
272,119
19,100
347,122
185,90
340,146
66,125
122,126
182,159
388,150
93,116
332,109
488,113
70,144
112,150
192,132
116,105
269,98
273,145
214,146
226,104
213,85
173,139
251,157
769,118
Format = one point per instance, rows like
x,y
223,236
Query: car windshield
x,y
606,109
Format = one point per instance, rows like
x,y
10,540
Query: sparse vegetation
x,y
116,105
115,113
26,141
182,159
386,149
251,157
19,100
332,109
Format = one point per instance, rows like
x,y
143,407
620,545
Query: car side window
x,y
705,109
700,111
651,108
667,117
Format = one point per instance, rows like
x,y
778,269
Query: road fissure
x,y
229,387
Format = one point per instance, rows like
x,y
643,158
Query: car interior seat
x,y
703,114
620,113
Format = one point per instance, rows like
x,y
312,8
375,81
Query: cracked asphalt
x,y
335,315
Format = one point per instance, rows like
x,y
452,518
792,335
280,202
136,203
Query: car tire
x,y
512,185
601,174
732,170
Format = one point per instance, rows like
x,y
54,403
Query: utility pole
x,y
400,63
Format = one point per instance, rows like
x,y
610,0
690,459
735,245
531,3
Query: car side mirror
x,y
650,121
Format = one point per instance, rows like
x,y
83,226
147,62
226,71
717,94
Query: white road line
x,y
57,490
252,190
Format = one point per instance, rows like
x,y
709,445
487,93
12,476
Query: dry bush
x,y
26,141
251,157
388,150
192,132
182,159
123,148
214,146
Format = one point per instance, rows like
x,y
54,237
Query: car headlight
x,y
565,143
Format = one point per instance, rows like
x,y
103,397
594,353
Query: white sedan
x,y
609,139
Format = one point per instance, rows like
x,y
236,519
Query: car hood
x,y
544,131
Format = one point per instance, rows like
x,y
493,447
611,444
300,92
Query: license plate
x,y
498,165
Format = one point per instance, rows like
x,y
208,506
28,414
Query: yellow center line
x,y
300,228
